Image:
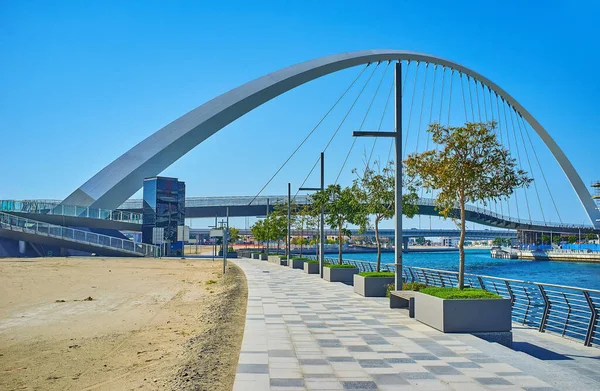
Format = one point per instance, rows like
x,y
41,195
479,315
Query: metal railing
x,y
21,224
51,207
571,312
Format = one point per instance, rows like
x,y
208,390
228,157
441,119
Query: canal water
x,y
577,274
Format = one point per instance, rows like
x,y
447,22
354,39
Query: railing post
x,y
542,327
412,275
593,317
510,293
481,283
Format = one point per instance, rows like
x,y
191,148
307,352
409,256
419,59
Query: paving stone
x,y
359,385
374,364
286,382
493,381
442,370
253,368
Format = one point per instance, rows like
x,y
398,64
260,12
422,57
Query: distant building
x,y
596,195
163,210
450,242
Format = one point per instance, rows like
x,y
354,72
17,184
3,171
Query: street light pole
x,y
289,223
397,135
322,219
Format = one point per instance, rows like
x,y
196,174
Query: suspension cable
x,y
471,98
502,142
541,169
530,168
412,101
384,109
442,96
510,150
362,123
450,96
422,104
462,87
519,159
311,132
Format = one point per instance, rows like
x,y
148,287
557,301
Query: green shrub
x,y
338,266
311,262
283,257
376,274
455,293
413,286
230,250
300,259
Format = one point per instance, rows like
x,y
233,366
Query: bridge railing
x,y
513,219
21,224
570,312
52,208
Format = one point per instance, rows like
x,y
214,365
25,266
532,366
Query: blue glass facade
x,y
164,207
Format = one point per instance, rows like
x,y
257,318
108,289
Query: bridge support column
x,y
405,243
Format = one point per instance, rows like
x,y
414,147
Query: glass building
x,y
164,207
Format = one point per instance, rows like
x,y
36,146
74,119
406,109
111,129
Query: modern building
x,y
163,211
596,193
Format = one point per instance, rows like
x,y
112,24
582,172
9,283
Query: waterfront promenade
x,y
303,333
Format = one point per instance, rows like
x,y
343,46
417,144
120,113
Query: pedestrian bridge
x,y
247,206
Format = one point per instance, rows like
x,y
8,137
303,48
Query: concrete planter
x,y
311,268
464,316
371,286
230,254
255,255
296,263
276,259
345,275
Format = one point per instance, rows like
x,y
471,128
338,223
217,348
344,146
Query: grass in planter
x,y
455,293
338,266
376,274
300,259
311,262
406,286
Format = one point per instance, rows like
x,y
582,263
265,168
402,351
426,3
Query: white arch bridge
x,y
448,91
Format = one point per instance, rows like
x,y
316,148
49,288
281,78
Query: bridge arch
x,y
118,181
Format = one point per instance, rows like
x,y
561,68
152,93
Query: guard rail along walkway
x,y
567,311
35,231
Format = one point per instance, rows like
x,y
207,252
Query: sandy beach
x,y
119,324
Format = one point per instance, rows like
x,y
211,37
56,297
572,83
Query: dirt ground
x,y
119,324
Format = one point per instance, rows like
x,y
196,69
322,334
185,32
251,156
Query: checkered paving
x,y
303,333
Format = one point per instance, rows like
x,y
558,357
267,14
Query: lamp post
x,y
321,220
397,136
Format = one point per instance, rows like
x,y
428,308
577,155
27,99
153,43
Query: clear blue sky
x,y
83,82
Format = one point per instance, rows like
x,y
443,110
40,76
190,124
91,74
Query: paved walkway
x,y
303,333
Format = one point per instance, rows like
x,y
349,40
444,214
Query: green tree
x,y
556,239
572,239
497,242
590,236
470,166
259,231
545,239
341,207
304,219
234,235
375,191
420,240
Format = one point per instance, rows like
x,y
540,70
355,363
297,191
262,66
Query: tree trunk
x,y
461,244
378,244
